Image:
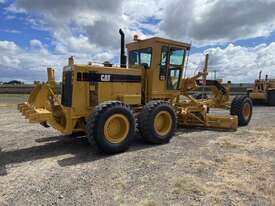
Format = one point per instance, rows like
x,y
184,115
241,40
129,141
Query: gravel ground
x,y
38,166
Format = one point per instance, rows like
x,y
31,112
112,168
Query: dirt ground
x,y
38,166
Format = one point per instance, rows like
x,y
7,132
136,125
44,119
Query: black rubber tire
x,y
146,118
77,134
271,97
96,121
237,109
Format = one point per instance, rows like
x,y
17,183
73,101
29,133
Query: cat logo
x,y
105,77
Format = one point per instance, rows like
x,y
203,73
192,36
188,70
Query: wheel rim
x,y
163,123
116,128
246,110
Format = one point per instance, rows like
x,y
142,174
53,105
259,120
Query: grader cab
x,y
108,102
263,90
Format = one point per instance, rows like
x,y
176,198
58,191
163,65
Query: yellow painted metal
x,y
44,107
156,88
246,110
222,122
218,99
193,112
260,88
130,99
271,84
51,79
258,95
163,123
116,128
117,91
193,115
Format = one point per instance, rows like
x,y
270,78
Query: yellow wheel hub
x,y
163,123
246,110
116,128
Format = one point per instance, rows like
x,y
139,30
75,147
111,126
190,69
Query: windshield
x,y
141,56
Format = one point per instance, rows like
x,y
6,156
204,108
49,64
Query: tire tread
x,y
92,122
143,122
236,109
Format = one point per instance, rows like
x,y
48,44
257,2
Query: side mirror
x,y
145,65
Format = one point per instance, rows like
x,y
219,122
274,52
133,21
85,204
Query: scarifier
x,y
109,102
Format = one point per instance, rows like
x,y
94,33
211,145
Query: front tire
x,y
112,126
242,107
157,122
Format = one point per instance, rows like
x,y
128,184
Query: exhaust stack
x,y
122,50
260,75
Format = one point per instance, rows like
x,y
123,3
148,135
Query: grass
x,y
11,100
149,203
226,143
16,86
188,185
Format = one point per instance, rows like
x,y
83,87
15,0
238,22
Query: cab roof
x,y
154,40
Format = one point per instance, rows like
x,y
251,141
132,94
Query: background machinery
x,y
107,102
263,90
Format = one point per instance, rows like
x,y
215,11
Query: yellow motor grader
x,y
108,102
263,90
240,106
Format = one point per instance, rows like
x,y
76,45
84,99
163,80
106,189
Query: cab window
x,y
141,56
173,80
176,56
163,63
175,67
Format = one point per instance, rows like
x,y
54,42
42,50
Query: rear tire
x,y
157,122
112,126
242,107
271,97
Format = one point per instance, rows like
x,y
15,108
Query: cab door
x,y
171,66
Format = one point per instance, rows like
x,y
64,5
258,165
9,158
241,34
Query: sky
x,y
239,35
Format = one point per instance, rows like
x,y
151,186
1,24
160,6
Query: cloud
x,y
66,9
12,31
104,32
88,30
202,21
18,63
98,20
218,21
236,63
28,64
36,44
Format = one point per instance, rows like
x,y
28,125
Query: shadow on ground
x,y
79,147
55,146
